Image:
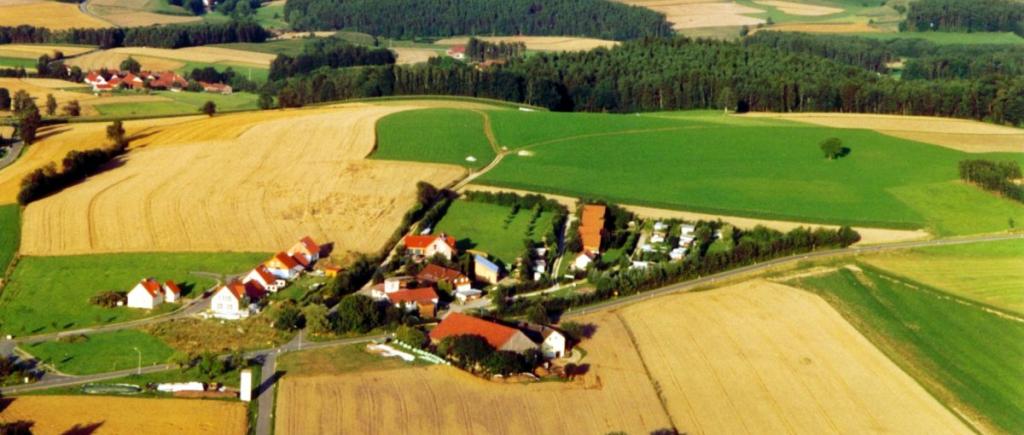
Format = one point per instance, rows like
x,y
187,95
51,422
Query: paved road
x,y
12,154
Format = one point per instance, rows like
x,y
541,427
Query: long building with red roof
x,y
499,336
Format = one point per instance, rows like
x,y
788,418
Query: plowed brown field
x,y
243,182
120,415
760,357
614,396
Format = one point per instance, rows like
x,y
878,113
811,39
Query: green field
x,y
434,135
10,234
284,46
52,293
14,62
103,352
492,228
970,359
184,103
949,38
991,273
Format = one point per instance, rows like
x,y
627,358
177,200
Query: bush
x,y
411,335
109,299
288,317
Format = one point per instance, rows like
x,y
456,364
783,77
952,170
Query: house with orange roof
x,y
261,275
457,52
430,245
305,251
284,266
592,227
500,337
423,299
232,301
172,293
147,294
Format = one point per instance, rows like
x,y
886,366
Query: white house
x,y
266,279
687,229
657,238
429,246
464,295
390,285
147,294
582,261
306,251
284,266
677,254
660,226
171,292
231,301
639,265
554,343
685,240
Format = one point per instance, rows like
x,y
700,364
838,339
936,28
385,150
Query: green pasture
x,y
48,294
103,352
967,357
10,234
14,62
492,228
434,135
183,103
849,11
991,273
290,47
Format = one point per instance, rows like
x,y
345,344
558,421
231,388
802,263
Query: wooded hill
x,y
425,18
168,36
966,16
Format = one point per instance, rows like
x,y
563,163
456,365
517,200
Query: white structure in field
x,y
148,294
245,386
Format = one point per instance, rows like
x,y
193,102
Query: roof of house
x,y
412,241
418,295
461,324
481,260
170,285
309,245
436,273
592,213
591,238
264,274
284,259
252,289
151,286
301,259
457,49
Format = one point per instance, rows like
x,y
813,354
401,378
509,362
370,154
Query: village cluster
x,y
107,81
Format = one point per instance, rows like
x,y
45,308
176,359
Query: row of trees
x,y
995,176
167,36
478,50
966,16
406,20
75,167
328,52
666,74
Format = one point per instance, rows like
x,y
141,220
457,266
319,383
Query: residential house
x,y
232,301
677,253
284,266
436,274
331,270
657,238
390,285
132,81
262,275
660,226
424,300
499,336
94,78
168,80
305,252
553,343
486,271
218,88
147,294
582,261
457,52
172,293
429,246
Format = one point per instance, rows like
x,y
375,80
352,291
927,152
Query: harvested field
x,y
85,414
49,14
408,56
801,9
159,59
690,14
764,357
272,186
132,13
821,28
33,51
613,396
540,43
959,134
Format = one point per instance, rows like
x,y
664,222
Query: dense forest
x,y
665,74
478,50
966,16
169,36
329,52
409,19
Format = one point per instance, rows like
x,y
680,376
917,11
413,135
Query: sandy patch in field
x,y
959,134
33,51
253,181
408,56
614,395
49,14
689,14
539,43
801,9
299,35
821,28
760,357
122,415
161,59
132,13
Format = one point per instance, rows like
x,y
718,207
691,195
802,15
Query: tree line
x,y
406,20
478,50
75,167
328,52
166,36
965,16
668,74
994,176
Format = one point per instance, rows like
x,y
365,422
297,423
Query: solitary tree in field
x,y
209,108
72,108
51,105
130,64
5,99
832,147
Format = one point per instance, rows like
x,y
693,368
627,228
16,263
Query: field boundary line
x,y
489,131
647,370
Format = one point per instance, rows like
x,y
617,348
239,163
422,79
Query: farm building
x,y
439,274
499,336
172,293
218,88
485,270
423,299
232,300
284,266
263,277
592,227
429,246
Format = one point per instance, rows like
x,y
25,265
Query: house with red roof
x,y
219,88
168,80
172,293
437,274
430,245
457,52
232,300
423,299
592,227
147,294
263,277
305,251
500,337
284,266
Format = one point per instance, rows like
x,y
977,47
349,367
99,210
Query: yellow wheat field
x,y
409,56
801,9
613,396
133,13
540,43
42,13
33,51
254,181
959,134
693,14
760,357
121,415
160,59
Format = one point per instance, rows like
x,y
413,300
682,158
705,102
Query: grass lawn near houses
x,y
183,103
964,355
10,234
435,136
103,352
336,360
47,294
493,228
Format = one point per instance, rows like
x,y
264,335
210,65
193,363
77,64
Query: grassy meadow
x,y
965,356
103,352
492,228
52,293
991,273
183,103
434,135
949,38
10,234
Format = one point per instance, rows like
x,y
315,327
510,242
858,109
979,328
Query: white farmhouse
x,y
582,261
147,294
266,279
554,344
231,301
172,293
284,266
